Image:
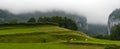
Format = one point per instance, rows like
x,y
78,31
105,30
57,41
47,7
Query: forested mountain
x,y
81,21
114,19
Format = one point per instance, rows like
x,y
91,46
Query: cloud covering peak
x,y
96,11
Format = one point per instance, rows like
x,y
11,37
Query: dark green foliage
x,y
112,47
100,36
70,24
115,33
61,21
40,20
32,20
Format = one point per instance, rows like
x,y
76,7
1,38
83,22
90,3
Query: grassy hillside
x,y
33,37
32,46
29,29
33,34
48,37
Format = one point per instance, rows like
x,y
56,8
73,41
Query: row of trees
x,y
61,21
115,33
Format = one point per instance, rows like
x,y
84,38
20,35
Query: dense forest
x,y
62,22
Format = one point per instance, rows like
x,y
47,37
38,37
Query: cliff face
x,y
114,19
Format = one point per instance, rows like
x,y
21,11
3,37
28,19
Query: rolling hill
x,y
33,34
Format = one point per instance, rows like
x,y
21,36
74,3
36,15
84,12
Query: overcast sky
x,y
96,11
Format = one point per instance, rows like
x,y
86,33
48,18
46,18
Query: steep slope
x,y
114,19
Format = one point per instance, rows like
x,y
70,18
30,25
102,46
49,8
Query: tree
x,y
115,33
70,24
32,20
61,21
40,19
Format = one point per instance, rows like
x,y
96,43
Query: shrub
x,y
112,47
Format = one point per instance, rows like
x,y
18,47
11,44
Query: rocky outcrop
x,y
114,19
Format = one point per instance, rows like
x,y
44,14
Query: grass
x,y
32,37
46,46
32,46
29,29
85,47
36,34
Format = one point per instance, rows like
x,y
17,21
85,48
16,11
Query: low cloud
x,y
96,11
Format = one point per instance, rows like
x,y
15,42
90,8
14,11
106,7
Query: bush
x,y
112,47
100,36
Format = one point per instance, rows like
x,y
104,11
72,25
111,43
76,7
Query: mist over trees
x,y
61,21
81,21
